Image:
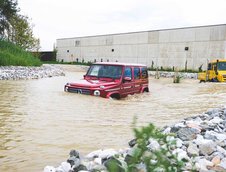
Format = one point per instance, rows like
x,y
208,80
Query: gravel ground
x,y
21,72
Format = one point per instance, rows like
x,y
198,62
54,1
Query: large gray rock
x,y
207,147
74,153
202,164
75,162
187,134
192,149
216,120
212,112
215,136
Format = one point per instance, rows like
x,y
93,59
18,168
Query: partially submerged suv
x,y
112,80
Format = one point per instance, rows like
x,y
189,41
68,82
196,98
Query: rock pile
x,y
200,140
203,139
165,74
21,72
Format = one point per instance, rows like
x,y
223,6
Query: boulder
x,y
187,134
192,149
207,147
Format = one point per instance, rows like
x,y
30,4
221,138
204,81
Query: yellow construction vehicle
x,y
216,72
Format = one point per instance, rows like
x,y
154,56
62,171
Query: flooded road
x,y
40,123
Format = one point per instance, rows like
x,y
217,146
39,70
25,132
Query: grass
x,y
69,63
169,69
12,55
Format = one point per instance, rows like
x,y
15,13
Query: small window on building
x,y
186,48
77,43
112,50
67,51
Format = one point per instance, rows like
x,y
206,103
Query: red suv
x,y
115,80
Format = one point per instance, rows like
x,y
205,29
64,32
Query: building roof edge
x,y
155,30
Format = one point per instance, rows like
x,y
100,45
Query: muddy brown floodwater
x,y
40,123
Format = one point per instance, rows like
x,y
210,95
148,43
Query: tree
x,y
15,27
22,33
8,9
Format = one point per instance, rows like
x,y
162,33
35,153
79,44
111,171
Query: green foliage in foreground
x,y
152,158
12,55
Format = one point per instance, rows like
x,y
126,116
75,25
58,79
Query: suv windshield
x,y
105,71
221,65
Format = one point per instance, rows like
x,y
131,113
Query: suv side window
x,y
136,73
128,72
144,73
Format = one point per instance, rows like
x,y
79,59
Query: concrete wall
x,y
166,48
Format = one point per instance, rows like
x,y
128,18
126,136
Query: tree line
x,y
15,27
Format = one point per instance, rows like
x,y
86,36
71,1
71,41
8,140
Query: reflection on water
x,y
40,124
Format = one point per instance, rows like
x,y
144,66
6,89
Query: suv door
x,y
144,78
137,79
127,82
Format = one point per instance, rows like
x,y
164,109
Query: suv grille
x,y
79,91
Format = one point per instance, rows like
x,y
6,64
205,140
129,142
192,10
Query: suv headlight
x,y
102,86
96,93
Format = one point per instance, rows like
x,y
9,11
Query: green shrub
x,y
152,158
155,159
12,55
176,79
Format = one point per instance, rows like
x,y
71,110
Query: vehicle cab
x,y
111,80
216,72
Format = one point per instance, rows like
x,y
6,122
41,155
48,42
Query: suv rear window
x,y
144,72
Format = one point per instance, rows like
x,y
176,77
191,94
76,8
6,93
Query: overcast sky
x,y
54,19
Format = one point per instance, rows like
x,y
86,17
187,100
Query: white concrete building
x,y
192,46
